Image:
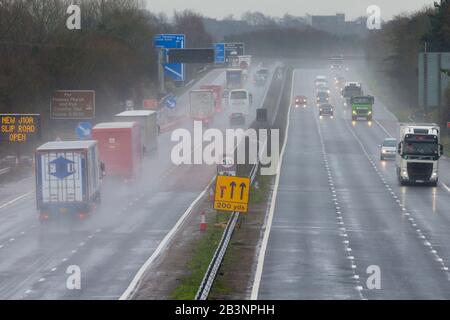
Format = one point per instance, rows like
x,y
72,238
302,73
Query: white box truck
x,y
148,122
68,175
418,153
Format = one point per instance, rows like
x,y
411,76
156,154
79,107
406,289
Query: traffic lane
x,y
305,257
426,206
110,261
379,233
173,190
12,190
158,162
117,200
388,124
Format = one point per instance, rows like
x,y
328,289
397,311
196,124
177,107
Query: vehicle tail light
x,y
82,215
44,216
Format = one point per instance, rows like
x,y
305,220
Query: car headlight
x,y
354,112
369,113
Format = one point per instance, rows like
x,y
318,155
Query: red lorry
x,y
120,148
218,93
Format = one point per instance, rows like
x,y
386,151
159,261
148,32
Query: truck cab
x,y
351,89
418,153
362,107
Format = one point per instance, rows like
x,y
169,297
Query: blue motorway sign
x,y
171,41
220,53
84,130
170,101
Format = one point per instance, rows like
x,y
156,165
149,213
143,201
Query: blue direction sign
x,y
84,130
171,41
220,53
170,101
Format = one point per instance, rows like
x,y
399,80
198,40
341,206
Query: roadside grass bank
x,y
200,256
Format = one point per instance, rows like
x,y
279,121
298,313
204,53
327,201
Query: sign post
x,y
72,104
232,193
84,130
219,53
170,41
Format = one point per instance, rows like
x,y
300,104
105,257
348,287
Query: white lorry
x,y
68,177
239,104
418,153
147,120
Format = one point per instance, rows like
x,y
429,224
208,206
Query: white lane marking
x,y
445,186
129,292
383,128
262,251
16,199
419,232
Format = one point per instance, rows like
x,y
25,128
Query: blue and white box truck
x,y
68,179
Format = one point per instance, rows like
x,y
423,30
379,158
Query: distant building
x,y
336,24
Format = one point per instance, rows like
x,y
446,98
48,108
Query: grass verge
x,y
202,253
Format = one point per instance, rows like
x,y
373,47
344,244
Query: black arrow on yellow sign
x,y
222,190
243,186
232,185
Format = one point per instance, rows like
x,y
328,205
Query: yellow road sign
x,y
232,193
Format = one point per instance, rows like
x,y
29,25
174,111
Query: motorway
x,y
117,240
339,211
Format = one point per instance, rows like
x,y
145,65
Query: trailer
x,y
147,119
202,105
68,175
120,148
218,94
234,79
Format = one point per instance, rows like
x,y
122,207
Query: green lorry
x,y
362,107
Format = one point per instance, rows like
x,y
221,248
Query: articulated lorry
x,y
362,107
120,148
68,177
202,105
418,153
147,120
351,89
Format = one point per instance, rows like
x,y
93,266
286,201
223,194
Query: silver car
x,y
388,149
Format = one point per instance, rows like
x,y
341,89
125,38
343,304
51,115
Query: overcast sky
x,y
352,8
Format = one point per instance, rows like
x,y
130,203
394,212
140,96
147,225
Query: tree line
x,y
393,52
112,53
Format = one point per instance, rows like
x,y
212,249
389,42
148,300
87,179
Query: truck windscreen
x,y
352,91
238,95
425,148
362,100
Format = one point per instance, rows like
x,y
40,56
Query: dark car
x,y
326,110
301,101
